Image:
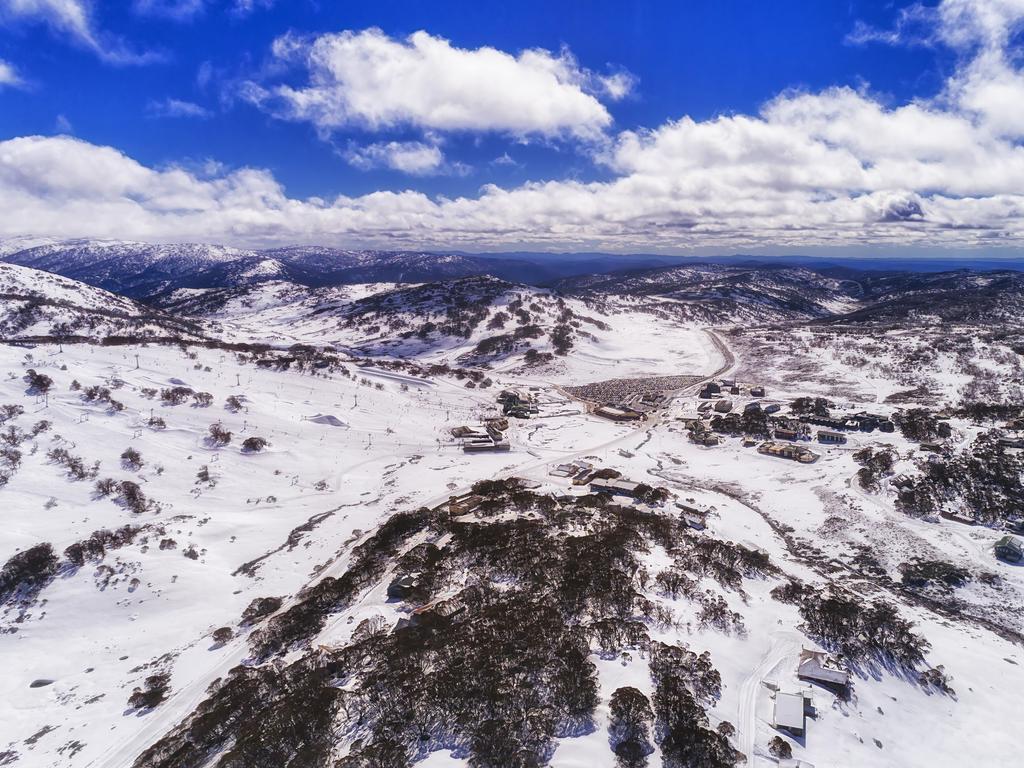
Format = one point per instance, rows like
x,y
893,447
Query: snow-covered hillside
x,y
40,304
261,543
478,321
715,293
135,269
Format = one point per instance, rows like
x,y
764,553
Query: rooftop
x,y
789,711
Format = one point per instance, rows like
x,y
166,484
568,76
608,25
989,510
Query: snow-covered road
x,y
781,646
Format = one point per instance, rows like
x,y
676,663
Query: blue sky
x,y
698,59
202,88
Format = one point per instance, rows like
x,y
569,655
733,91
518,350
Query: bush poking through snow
x,y
26,573
73,464
944,576
780,748
153,694
254,444
175,395
222,635
99,543
38,383
132,497
132,459
260,608
219,436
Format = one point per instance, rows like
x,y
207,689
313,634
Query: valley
x,y
242,526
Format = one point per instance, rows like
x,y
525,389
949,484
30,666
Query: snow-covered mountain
x,y
143,270
958,296
129,268
245,531
36,304
715,293
475,321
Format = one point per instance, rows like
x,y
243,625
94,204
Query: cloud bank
x,y
838,167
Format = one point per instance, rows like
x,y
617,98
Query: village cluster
x,y
723,408
717,414
490,435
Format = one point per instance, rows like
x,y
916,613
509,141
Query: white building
x,y
789,713
821,668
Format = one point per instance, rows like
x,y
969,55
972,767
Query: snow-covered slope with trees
x,y
258,542
36,304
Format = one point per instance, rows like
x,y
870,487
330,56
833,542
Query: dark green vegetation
x,y
985,482
860,629
27,572
495,662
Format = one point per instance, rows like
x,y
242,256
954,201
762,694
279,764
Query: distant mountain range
x,y
406,301
144,271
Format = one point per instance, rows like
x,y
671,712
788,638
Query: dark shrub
x,y
154,692
26,573
629,727
219,435
254,444
38,383
780,748
132,459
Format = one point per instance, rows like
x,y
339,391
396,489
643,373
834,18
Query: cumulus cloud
x,y
963,25
413,157
989,86
725,184
372,81
9,76
73,20
836,167
176,108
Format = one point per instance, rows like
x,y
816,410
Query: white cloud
x,y
413,157
372,81
73,20
504,159
838,167
618,85
176,108
9,76
731,183
62,125
963,25
988,23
